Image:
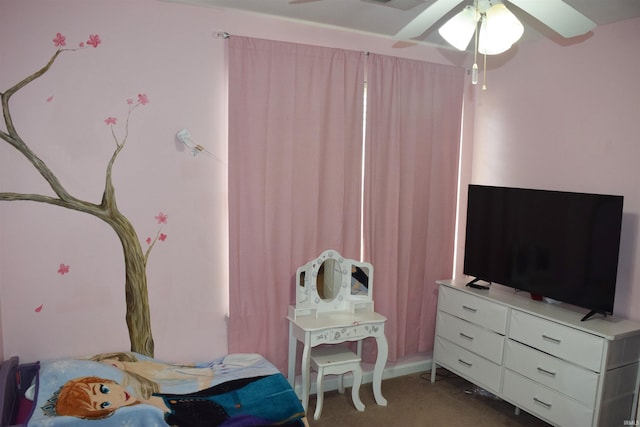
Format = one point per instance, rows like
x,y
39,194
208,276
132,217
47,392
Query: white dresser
x,y
539,356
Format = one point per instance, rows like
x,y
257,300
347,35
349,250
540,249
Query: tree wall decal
x,y
138,317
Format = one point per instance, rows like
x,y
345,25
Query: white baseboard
x,y
392,370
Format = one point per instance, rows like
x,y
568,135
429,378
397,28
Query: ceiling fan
x,y
499,28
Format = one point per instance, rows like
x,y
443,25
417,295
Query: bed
x,y
129,389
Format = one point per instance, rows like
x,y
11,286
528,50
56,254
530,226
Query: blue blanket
x,y
233,391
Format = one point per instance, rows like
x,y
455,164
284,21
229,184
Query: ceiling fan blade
x,y
557,15
426,19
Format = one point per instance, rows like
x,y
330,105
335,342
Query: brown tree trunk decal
x,y
138,317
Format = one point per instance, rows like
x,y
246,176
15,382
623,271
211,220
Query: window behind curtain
x,y
295,183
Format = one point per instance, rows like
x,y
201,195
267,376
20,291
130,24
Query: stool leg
x,y
319,394
355,390
340,384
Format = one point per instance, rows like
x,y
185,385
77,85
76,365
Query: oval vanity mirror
x,y
329,280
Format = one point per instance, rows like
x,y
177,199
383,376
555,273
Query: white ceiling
x,y
386,19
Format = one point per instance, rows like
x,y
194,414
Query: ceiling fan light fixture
x,y
459,30
499,30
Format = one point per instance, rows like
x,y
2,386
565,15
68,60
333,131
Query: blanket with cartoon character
x,y
129,389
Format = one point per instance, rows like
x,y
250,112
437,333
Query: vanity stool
x,y
336,360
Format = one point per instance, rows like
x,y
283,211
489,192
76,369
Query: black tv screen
x,y
554,244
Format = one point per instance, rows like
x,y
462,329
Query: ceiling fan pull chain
x,y
474,69
484,74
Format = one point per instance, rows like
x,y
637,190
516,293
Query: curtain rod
x,y
223,35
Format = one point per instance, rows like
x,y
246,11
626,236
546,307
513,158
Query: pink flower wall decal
x,y
161,218
49,99
64,269
39,308
143,99
110,120
60,40
94,40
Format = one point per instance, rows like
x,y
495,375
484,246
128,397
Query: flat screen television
x,y
554,244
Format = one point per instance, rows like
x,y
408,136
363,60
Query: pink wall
x,y
558,117
168,52
566,118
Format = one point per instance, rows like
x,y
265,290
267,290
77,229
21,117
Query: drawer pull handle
x,y
471,309
551,339
544,371
470,338
542,403
467,364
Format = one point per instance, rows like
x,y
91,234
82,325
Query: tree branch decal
x,y
136,293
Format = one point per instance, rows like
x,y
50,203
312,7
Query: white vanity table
x,y
334,305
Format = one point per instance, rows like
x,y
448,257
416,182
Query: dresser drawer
x,y
469,365
578,383
544,402
473,308
481,341
564,342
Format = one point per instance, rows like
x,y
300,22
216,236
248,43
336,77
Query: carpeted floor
x,y
414,402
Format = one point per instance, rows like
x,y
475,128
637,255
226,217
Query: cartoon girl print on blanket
x,y
256,401
147,376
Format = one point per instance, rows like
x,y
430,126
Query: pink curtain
x,y
295,150
411,176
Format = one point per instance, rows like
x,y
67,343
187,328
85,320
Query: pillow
x,y
30,392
